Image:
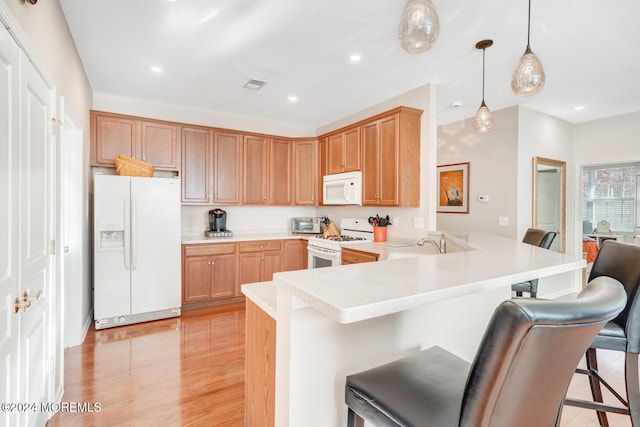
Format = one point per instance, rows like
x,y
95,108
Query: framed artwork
x,y
453,188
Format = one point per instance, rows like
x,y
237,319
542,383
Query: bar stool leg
x,y
354,420
594,383
632,380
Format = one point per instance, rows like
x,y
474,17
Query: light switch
x,y
484,198
418,222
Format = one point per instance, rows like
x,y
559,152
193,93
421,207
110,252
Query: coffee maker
x,y
217,224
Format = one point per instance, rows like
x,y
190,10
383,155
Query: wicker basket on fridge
x,y
131,167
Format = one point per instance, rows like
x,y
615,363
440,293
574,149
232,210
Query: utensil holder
x,y
379,234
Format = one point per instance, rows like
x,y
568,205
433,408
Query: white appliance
x,y
342,189
137,269
326,251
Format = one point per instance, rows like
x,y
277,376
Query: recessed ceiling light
x,y
254,84
293,99
579,107
156,69
355,57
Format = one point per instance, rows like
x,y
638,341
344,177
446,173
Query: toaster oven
x,y
306,225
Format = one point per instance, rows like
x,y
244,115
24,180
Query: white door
x,y
37,219
9,157
155,244
549,204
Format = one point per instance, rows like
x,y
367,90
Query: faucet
x,y
424,240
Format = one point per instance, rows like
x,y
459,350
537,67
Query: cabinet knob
x,y
210,249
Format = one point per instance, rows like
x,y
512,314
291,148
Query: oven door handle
x,y
318,250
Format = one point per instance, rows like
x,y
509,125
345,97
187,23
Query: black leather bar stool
x,y
535,237
620,261
512,380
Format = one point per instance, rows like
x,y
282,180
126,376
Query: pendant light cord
x,y
483,49
529,26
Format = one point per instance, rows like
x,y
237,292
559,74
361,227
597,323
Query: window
x,y
610,193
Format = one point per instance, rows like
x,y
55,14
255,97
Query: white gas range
x,y
327,252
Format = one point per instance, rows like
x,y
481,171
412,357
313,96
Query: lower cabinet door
x,y
224,275
196,279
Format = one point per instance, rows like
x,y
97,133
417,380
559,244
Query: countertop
x,y
351,293
241,237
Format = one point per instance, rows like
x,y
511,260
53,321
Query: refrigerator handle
x,y
127,232
134,230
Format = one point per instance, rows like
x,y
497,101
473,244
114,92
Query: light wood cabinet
x,y
267,171
152,141
256,170
305,172
344,151
295,252
208,272
227,168
391,159
196,165
258,260
160,145
354,256
380,155
388,156
280,165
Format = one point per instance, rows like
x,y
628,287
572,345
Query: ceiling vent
x,y
254,84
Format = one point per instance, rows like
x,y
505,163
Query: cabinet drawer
x,y
352,256
261,245
217,249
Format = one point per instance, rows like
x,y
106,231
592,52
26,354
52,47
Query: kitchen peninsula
x,y
331,322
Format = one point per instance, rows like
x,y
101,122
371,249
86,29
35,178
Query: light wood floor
x,y
189,371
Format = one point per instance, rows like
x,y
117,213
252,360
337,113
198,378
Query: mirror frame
x,y
563,183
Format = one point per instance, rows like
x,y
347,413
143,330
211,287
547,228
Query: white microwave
x,y
342,189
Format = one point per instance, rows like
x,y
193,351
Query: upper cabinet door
x,y
305,175
112,136
280,172
160,145
352,150
196,175
344,151
256,170
227,168
151,141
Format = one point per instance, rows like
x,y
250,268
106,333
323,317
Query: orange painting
x,y
452,188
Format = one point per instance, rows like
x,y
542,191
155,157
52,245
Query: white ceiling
x,y
208,49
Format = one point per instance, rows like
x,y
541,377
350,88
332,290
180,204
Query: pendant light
x,y
483,121
419,26
528,77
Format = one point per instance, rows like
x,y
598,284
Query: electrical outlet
x,y
418,222
396,221
503,220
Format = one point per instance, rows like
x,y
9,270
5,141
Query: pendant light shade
x,y
528,77
483,120
419,26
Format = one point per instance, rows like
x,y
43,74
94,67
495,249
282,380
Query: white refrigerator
x,y
137,267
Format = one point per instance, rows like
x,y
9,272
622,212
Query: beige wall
x,y
546,136
493,171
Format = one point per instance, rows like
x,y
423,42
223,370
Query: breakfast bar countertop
x,y
352,293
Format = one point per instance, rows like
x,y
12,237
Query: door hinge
x,y
52,247
54,125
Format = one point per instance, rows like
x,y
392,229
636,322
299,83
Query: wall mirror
x,y
549,198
